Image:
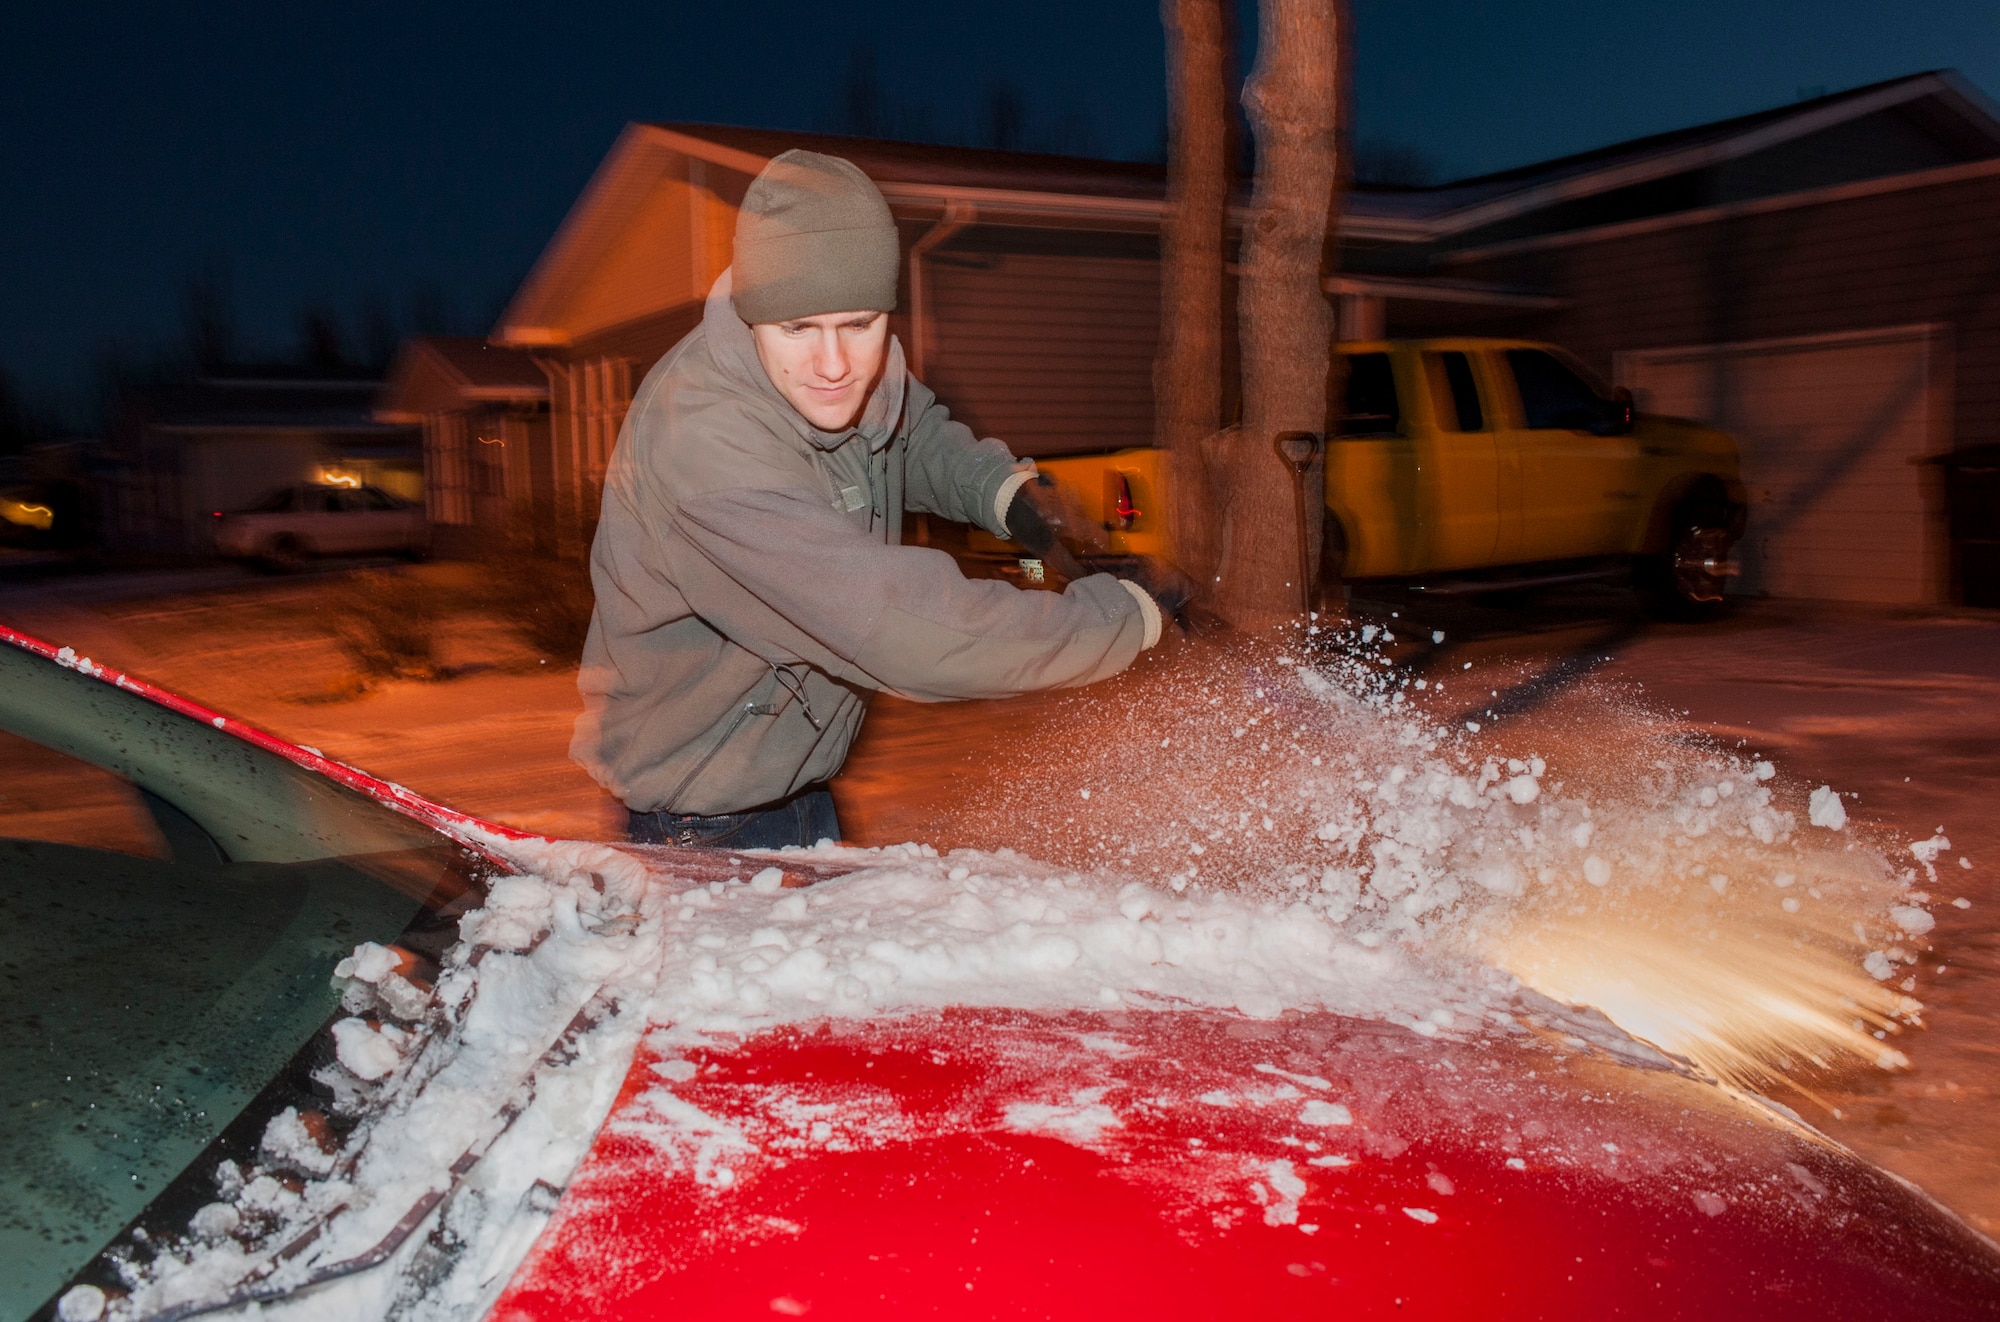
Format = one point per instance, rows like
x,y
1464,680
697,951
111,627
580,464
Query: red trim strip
x,y
462,827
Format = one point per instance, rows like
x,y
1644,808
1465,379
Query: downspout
x,y
957,215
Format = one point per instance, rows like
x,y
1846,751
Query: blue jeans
x,y
803,819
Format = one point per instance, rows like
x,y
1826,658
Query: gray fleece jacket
x,y
750,585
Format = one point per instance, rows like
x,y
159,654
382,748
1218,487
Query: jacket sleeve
x,y
950,472
782,575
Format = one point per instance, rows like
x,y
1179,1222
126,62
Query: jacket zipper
x,y
794,688
748,710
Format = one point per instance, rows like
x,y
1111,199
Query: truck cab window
x,y
1371,407
1455,393
1554,397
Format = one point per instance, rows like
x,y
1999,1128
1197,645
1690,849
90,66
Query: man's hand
x,y
1039,517
1163,583
1161,580
1045,515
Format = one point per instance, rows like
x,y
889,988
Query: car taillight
x,y
1120,510
216,513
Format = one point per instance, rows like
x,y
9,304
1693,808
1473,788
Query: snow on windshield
x,y
1249,833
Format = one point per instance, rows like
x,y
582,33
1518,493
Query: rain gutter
x,y
957,215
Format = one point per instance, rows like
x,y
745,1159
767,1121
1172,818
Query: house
x,y
180,453
1820,279
484,411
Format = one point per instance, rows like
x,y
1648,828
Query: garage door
x,y
1829,427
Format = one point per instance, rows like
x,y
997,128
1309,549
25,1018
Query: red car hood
x,y
1166,1164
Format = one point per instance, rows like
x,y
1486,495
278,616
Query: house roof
x,y
893,163
1939,117
919,180
443,373
484,367
1950,107
913,172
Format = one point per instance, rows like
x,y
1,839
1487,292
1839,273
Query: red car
x,y
317,1044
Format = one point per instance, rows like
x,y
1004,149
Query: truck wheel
x,y
283,554
1690,579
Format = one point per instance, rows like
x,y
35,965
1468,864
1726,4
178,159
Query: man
x,y
750,585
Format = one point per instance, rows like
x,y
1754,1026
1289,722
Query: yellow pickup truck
x,y
1458,466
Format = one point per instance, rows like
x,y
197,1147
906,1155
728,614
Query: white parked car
x,y
295,523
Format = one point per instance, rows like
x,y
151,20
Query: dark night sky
x,y
365,150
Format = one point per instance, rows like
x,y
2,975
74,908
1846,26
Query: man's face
x,y
825,365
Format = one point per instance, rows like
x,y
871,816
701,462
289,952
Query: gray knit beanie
x,y
813,236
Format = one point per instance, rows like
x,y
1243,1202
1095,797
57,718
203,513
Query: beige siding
x,y
678,240
1831,428
1923,256
1053,354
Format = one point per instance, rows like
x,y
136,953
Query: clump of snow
x,y
1317,1112
1826,809
368,1053
1082,1120
370,962
67,656
217,1220
1281,1204
287,1142
82,1303
1927,851
1911,919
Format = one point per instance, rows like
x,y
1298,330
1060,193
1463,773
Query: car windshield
x,y
173,901
278,502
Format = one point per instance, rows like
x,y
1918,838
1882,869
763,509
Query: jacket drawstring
x,y
789,677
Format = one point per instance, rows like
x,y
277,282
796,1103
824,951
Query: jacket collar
x,y
734,350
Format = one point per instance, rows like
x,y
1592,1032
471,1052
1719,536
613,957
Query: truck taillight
x,y
1120,510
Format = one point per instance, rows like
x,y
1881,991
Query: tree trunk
x,y
1294,100
1187,372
